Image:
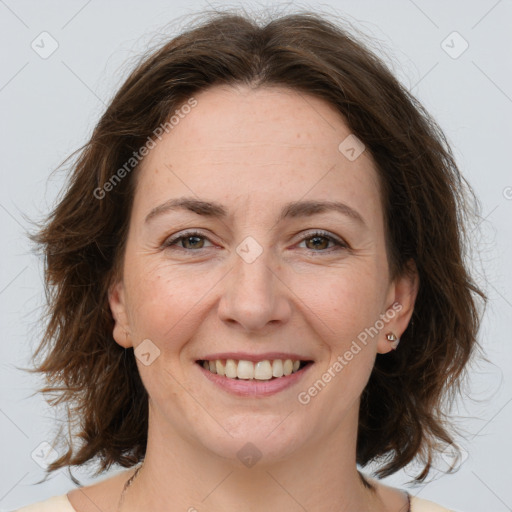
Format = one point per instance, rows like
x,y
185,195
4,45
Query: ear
x,y
117,302
400,306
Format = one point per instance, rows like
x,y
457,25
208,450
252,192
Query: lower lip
x,y
254,388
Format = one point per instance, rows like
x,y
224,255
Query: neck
x,y
179,472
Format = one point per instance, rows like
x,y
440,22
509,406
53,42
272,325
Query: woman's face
x,y
249,279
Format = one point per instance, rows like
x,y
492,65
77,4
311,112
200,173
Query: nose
x,y
255,295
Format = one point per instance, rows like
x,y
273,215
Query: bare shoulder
x,y
52,504
396,499
421,505
103,495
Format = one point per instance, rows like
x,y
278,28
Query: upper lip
x,y
255,357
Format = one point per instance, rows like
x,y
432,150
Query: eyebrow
x,y
290,210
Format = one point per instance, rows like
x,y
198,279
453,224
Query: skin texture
x,y
253,150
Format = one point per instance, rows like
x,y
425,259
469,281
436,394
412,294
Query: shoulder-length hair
x,y
425,201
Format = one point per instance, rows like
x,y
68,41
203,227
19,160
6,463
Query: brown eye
x,y
317,242
193,242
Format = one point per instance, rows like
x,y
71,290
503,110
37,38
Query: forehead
x,y
257,146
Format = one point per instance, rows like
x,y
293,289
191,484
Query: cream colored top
x,y
62,504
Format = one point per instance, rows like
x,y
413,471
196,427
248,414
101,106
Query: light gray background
x,y
49,107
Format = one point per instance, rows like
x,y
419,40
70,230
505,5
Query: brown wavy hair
x,y
427,205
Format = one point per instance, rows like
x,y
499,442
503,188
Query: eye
x,y
194,240
189,240
320,240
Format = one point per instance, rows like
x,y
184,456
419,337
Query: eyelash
x,y
340,244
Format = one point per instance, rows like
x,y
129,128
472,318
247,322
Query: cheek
x,y
165,307
165,301
344,301
345,306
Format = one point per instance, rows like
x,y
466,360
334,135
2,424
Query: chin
x,y
256,439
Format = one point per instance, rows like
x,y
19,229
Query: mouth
x,y
264,370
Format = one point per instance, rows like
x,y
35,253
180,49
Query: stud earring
x,y
393,339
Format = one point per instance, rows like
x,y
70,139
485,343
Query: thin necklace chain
x,y
126,485
132,478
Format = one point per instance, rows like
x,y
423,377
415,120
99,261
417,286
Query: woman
x,y
256,279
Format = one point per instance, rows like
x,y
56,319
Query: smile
x,y
264,370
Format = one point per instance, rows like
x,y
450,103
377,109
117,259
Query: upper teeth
x,y
242,369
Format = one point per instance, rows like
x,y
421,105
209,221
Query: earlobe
x,y
393,339
402,297
116,299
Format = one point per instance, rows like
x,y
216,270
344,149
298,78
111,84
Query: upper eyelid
x,y
184,234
